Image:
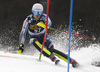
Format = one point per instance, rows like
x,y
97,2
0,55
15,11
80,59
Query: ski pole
x,y
74,34
43,25
10,51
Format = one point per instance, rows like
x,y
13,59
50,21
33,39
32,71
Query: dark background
x,y
86,18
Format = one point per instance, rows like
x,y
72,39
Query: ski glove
x,y
21,49
41,24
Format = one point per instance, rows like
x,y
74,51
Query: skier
x,y
37,35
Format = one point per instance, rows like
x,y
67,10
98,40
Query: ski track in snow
x,y
25,63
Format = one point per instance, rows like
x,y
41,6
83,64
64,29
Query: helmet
x,y
37,9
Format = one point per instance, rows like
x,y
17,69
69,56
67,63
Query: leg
x,y
53,51
64,57
45,51
60,54
50,47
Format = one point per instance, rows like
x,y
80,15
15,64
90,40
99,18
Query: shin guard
x,y
39,47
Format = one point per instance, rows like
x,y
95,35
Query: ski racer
x,y
37,35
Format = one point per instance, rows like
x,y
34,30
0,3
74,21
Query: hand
x,y
21,49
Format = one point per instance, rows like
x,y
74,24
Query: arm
x,y
23,32
22,36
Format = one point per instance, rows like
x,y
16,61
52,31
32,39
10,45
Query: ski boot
x,y
54,59
74,63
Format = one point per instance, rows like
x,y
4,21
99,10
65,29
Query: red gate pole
x,y
46,30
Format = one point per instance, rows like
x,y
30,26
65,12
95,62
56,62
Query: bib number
x,y
37,30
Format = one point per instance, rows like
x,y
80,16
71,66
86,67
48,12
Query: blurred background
x,y
86,21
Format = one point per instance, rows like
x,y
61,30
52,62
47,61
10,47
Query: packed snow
x,y
25,63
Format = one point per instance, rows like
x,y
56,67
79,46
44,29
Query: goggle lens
x,y
37,12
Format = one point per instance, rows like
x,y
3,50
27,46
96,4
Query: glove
x,y
21,49
41,24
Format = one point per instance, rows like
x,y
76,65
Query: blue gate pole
x,y
70,25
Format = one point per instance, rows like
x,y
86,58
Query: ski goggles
x,y
37,12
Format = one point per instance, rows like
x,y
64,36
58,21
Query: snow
x,y
25,63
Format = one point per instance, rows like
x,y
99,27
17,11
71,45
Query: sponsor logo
x,y
33,26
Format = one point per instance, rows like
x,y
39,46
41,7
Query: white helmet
x,y
37,7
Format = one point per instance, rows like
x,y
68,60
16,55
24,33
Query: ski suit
x,y
37,35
